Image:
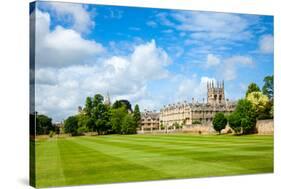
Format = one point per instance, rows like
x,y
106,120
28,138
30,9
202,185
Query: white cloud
x,y
151,24
74,13
60,90
266,44
212,60
61,46
209,26
230,65
193,88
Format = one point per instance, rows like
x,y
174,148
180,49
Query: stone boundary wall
x,y
199,129
160,131
265,127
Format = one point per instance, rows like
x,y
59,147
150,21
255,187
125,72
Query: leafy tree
x,y
120,103
128,125
137,115
268,87
261,104
82,119
71,125
102,118
98,99
82,130
219,122
43,124
91,124
235,122
243,119
116,118
252,88
88,106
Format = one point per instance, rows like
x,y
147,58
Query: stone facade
x,y
149,121
265,127
190,113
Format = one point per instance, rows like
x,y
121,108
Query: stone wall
x,y
199,129
265,127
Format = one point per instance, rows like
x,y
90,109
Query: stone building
x,y
197,112
149,121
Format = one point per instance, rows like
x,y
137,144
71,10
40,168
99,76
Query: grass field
x,y
116,158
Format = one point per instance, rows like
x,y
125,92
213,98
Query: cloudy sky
x,y
149,56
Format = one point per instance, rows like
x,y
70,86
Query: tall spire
x,y
107,99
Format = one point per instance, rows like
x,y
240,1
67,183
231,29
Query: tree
x,y
261,104
252,88
120,103
128,125
268,87
88,106
102,118
71,125
219,122
137,115
235,122
43,124
243,119
116,118
98,99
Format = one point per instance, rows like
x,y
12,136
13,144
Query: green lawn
x,y
124,158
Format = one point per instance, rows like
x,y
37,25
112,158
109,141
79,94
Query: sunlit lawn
x,y
126,158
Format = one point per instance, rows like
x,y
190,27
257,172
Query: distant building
x,y
149,121
188,113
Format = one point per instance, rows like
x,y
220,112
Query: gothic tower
x,y
215,92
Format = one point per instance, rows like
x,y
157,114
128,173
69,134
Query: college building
x,y
183,114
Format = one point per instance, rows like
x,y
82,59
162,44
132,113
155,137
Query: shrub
x,y
196,122
219,122
71,125
243,119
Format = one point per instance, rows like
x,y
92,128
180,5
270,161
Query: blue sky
x,y
150,56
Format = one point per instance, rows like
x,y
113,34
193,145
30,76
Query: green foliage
x,y
243,119
82,119
219,122
196,122
128,125
137,115
82,130
103,119
176,125
117,116
268,87
88,106
120,103
71,125
98,99
43,124
261,104
253,87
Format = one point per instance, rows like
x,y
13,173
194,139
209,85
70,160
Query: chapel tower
x,y
215,92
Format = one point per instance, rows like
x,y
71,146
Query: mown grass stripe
x,y
123,158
